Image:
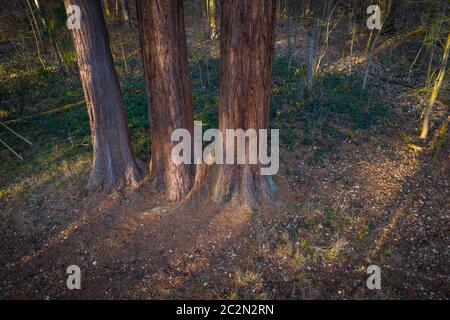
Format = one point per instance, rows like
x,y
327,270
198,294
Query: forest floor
x,y
356,188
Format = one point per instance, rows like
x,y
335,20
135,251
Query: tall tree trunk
x,y
247,41
114,163
164,51
436,87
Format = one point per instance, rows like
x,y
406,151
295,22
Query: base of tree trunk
x,y
175,181
107,177
238,185
425,123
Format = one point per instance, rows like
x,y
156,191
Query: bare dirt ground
x,y
379,199
373,203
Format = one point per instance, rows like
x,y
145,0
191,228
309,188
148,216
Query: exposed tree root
x,y
238,185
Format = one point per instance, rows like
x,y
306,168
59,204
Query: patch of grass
x,y
25,93
344,102
306,245
334,252
339,110
332,215
370,228
318,157
63,133
205,89
249,286
135,99
206,108
440,139
288,138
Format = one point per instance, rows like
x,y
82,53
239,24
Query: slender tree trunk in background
x,y
126,12
369,61
116,8
352,44
209,12
389,24
352,29
36,40
212,19
415,60
287,19
164,51
435,33
41,14
107,7
313,38
114,166
35,24
36,33
435,91
312,35
374,44
247,41
430,64
369,41
324,49
124,58
322,9
20,53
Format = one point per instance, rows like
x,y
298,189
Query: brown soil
x,y
375,202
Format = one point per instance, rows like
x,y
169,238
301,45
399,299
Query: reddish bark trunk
x,y
164,52
247,40
114,163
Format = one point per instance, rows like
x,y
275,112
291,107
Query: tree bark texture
x,y
247,41
114,163
169,94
